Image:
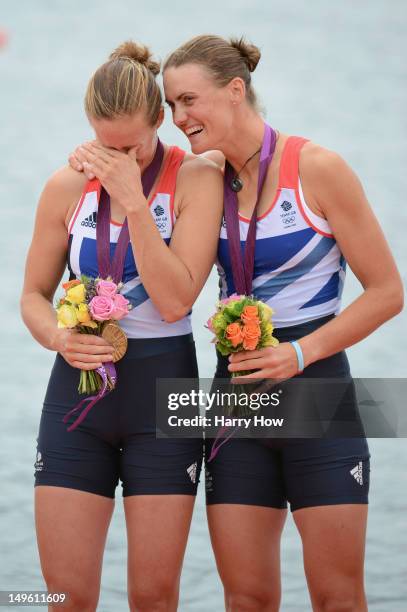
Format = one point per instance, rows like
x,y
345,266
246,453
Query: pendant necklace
x,y
236,183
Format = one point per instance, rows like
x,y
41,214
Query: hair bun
x,y
250,53
138,53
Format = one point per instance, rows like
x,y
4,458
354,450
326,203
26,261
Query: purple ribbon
x,y
107,372
242,270
217,445
114,269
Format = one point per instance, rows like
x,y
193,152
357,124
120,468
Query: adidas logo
x,y
357,473
90,221
286,205
192,472
159,210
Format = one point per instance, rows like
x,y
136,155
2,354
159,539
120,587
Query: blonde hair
x,y
125,84
224,59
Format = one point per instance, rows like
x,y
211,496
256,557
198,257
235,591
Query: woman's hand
x,y
118,172
77,159
83,351
279,362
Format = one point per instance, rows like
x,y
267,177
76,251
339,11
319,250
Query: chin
x,y
198,148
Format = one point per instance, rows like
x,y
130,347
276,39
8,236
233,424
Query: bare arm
x,y
173,277
334,192
185,266
45,266
340,197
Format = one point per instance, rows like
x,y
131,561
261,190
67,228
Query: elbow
x,y
175,313
395,300
399,301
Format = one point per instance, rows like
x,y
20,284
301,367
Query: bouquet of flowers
x,y
93,306
241,323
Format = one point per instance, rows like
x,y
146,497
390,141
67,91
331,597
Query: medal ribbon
x,y
242,270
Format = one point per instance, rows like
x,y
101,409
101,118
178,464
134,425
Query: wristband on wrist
x,y
300,356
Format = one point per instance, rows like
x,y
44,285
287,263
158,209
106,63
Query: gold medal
x,y
114,335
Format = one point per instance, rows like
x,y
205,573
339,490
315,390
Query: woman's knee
x,y
252,601
77,596
339,600
161,595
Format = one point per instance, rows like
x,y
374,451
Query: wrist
x,y
55,340
135,205
309,350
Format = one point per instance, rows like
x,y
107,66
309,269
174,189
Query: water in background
x,y
334,72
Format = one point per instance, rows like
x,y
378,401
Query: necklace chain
x,y
237,183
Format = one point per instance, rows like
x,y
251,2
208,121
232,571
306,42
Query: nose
x,y
179,116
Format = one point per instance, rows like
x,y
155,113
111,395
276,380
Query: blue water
x,y
332,71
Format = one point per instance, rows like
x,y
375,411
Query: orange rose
x,y
70,284
251,334
250,314
234,334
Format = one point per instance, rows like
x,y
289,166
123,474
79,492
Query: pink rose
x,y
209,325
232,298
121,307
106,288
101,307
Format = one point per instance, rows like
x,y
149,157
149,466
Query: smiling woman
x,y
298,230
165,225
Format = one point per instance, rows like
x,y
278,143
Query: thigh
x,y
333,540
86,458
246,543
246,514
157,532
327,485
71,532
152,465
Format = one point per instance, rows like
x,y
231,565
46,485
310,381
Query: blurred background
x,y
334,72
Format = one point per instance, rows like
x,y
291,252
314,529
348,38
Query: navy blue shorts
x,y
305,471
117,440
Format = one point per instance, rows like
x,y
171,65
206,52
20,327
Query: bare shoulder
x,y
198,180
216,156
195,164
318,163
327,180
66,181
195,170
62,192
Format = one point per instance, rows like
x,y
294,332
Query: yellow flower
x,y
269,329
67,316
266,311
76,294
82,312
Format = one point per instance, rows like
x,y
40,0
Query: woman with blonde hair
x,y
161,241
